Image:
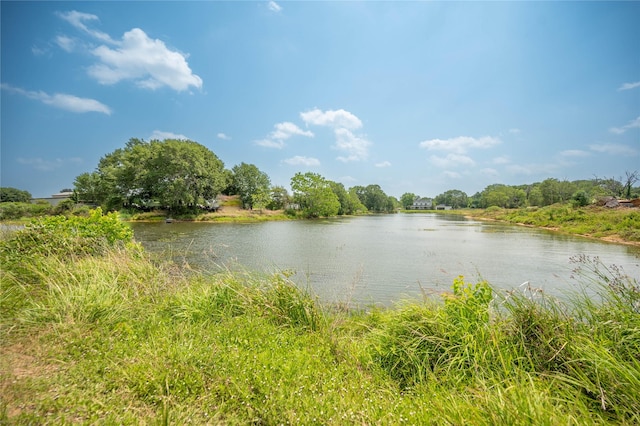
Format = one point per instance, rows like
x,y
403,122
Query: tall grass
x,y
112,338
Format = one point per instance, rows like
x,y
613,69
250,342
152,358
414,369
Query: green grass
x,y
619,224
111,338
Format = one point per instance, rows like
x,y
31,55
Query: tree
x,y
630,179
250,184
279,198
314,195
8,194
177,174
407,199
373,198
454,198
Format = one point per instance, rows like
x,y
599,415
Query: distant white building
x,y
55,199
422,204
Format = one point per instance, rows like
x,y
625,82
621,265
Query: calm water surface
x,y
384,259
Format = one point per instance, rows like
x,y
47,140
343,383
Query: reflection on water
x,y
382,259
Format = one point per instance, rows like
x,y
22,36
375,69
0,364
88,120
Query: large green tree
x,y
454,198
314,195
374,198
177,174
407,199
251,184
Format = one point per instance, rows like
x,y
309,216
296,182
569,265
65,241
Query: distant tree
x,y
279,198
407,199
630,179
177,174
8,194
314,195
581,198
250,184
454,198
373,198
503,196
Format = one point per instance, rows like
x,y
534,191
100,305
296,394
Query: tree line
x,y
549,191
184,176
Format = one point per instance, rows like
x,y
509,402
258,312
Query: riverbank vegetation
x,y
617,225
92,331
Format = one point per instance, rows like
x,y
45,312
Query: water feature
x,y
383,259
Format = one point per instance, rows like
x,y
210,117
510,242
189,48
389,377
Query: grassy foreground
x,y
92,332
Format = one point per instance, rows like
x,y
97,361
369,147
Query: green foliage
x,y
374,199
407,199
178,174
65,237
454,198
115,339
314,195
12,211
251,184
14,195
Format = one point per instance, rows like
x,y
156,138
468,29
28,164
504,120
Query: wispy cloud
x,y
270,143
451,161
223,136
332,118
65,43
45,165
160,135
61,100
302,161
355,147
148,62
78,19
614,149
574,153
460,144
286,130
629,86
274,7
633,124
383,164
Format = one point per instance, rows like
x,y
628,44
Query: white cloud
x,y
48,165
452,175
160,135
356,147
78,19
146,61
501,160
614,149
269,143
274,7
459,145
383,164
65,43
302,161
223,136
489,172
574,153
451,161
332,118
62,100
633,124
629,86
286,130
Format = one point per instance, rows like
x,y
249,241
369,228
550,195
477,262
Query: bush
x,y
66,237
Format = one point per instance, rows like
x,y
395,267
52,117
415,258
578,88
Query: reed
x,y
111,337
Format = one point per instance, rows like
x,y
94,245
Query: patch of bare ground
x,y
23,370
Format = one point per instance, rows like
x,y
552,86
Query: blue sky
x,y
416,97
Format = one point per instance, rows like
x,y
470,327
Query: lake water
x,y
384,259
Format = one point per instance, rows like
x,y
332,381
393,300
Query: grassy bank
x,y
92,331
618,225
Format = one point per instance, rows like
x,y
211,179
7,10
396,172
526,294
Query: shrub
x,y
66,237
